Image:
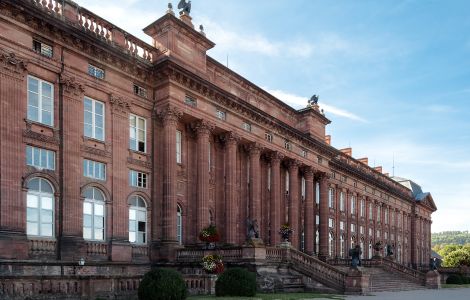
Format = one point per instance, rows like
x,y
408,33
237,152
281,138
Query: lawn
x,y
285,296
453,286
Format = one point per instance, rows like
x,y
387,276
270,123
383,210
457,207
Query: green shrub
x,y
162,284
236,282
454,279
465,280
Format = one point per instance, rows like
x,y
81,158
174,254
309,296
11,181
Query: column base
x,y
13,245
356,282
72,248
433,280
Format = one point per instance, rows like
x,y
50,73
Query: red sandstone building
x,y
117,151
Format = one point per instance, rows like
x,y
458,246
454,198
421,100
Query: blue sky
x,y
393,76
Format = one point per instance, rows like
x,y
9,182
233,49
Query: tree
x,y
459,257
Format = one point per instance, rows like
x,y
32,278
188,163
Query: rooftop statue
x,y
313,100
184,6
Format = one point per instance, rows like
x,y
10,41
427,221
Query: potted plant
x,y
285,231
378,246
209,234
212,264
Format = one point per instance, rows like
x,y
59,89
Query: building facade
x,y
114,150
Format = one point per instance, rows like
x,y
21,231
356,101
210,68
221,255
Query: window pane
x,y
132,225
32,215
132,214
141,215
141,226
87,208
32,228
29,155
87,220
88,130
46,89
99,134
132,237
88,104
46,117
99,222
99,234
43,163
33,99
51,160
132,121
99,210
32,201
33,114
33,84
99,121
141,238
141,147
87,233
46,229
46,187
141,124
98,108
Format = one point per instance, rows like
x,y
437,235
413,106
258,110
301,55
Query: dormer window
x,y
221,115
268,136
287,145
140,91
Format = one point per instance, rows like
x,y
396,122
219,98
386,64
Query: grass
x,y
285,296
453,286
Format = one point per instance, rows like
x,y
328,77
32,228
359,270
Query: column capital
x,y
119,104
322,176
308,172
275,157
230,138
12,63
72,86
170,115
293,164
203,127
254,149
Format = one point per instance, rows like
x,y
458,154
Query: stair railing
x,y
412,274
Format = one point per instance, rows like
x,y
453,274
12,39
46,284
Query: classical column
x,y
309,233
13,108
294,205
170,116
71,243
231,205
254,151
203,130
275,218
324,213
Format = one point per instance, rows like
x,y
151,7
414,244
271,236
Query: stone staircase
x,y
383,280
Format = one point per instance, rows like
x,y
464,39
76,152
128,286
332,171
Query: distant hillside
x,y
450,237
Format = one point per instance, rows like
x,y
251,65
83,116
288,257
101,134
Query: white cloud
x,y
300,102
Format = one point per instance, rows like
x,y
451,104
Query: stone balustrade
x,y
95,25
50,6
138,48
42,246
96,248
415,275
139,251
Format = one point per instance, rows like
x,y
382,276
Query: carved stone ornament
x,y
276,157
254,149
72,86
170,115
11,62
118,104
203,127
230,138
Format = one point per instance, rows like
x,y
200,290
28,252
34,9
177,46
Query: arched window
x,y
137,221
362,246
40,208
179,224
370,249
93,215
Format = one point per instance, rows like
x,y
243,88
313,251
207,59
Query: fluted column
x,y
275,197
231,205
254,151
309,211
324,213
294,205
170,116
203,130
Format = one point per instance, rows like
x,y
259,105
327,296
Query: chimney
x,y
328,139
378,169
347,151
364,160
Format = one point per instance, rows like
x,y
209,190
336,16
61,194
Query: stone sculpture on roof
x,y
184,6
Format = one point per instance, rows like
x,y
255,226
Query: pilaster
x,y
309,211
231,202
324,212
275,212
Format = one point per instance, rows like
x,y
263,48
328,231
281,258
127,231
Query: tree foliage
x,y
455,255
450,238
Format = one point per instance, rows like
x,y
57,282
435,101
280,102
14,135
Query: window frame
x,y
140,91
95,72
39,194
86,168
135,142
40,106
93,119
32,150
179,224
179,146
38,48
137,231
93,203
134,177
221,115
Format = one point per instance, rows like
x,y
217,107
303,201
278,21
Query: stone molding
x,y
203,127
170,115
95,151
12,63
119,105
72,87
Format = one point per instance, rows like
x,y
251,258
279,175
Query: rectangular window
x,y
42,48
363,208
93,220
287,145
370,231
317,220
302,189
353,227
370,211
95,72
221,115
341,225
378,214
386,215
94,169
138,179
140,91
331,223
269,178
178,146
303,153
361,229
188,100
93,119
378,234
269,137
341,201
40,101
137,133
331,198
40,158
246,127
353,205
137,226
317,193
